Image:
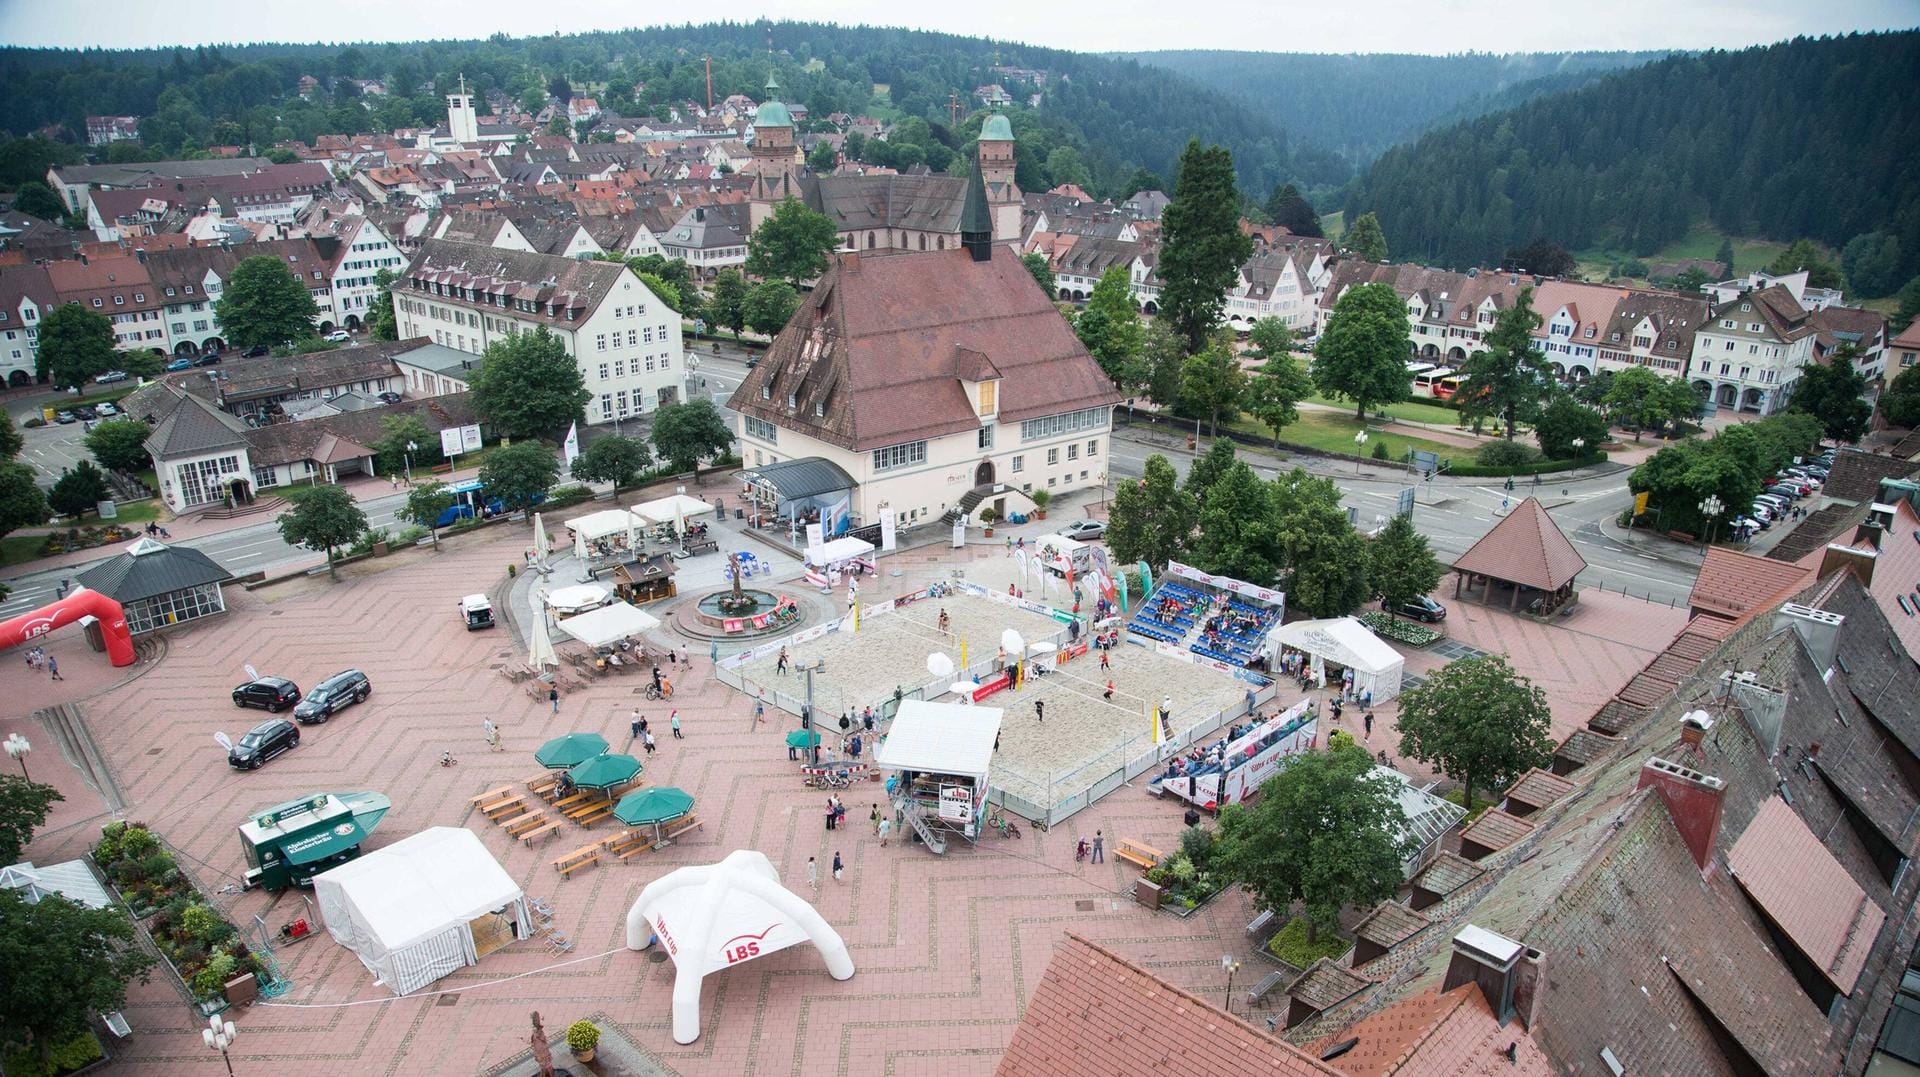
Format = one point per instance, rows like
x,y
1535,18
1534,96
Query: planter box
x,y
1168,904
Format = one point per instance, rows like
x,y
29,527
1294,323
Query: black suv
x,y
1421,609
270,693
262,743
331,695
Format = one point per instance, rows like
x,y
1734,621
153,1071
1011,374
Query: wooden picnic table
x,y
512,805
525,823
491,794
570,801
594,814
543,783
588,808
568,863
545,829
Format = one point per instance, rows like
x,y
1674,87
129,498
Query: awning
x,y
343,836
598,628
671,509
837,550
807,477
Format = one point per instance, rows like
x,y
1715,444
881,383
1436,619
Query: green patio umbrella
x,y
604,771
570,750
653,807
803,738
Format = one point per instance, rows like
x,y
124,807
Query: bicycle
x,y
1080,851
655,691
1007,827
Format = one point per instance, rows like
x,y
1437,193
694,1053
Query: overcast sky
x,y
1426,26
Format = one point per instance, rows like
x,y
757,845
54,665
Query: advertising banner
x,y
956,803
1244,781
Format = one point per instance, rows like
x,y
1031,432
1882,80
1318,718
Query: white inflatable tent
x,y
422,907
1346,642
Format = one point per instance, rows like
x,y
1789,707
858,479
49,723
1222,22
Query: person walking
x,y
1108,694
491,732
1040,710
1099,848
1367,721
553,697
874,818
759,711
832,813
647,739
674,719
813,874
780,664
1105,663
837,867
639,723
883,828
53,668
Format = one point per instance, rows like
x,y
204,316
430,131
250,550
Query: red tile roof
x,y
1790,874
1741,586
1525,548
1431,1033
1896,572
1096,1014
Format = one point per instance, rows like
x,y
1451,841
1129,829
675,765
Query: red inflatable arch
x,y
80,603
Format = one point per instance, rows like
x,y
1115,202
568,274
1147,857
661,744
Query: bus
x,y
470,499
1445,388
1426,382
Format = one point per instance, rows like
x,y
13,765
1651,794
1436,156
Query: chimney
x,y
1818,629
1507,973
1693,800
1693,728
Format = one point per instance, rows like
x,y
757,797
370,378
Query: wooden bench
x,y
498,810
683,825
520,814
1257,995
571,862
545,829
587,808
569,801
525,823
1134,852
629,844
595,814
491,794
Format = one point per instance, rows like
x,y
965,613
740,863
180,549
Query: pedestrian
x,y
53,667
813,874
656,678
1040,711
553,697
674,719
874,818
635,727
883,829
673,657
1009,545
780,665
1367,720
493,733
832,814
647,739
1108,694
866,719
1105,664
1099,848
836,865
760,711
853,748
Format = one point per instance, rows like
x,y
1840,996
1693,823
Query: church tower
x,y
996,169
772,164
462,124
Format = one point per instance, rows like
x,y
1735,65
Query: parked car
x,y
1792,491
477,611
65,417
210,359
389,398
272,693
1085,530
109,377
87,412
752,361
1775,501
339,336
1747,523
182,363
255,352
1805,476
336,693
262,743
1421,609
107,410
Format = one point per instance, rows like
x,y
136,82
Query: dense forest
x,y
1117,115
1359,105
1810,138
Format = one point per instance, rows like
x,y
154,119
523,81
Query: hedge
x,y
1411,633
1543,467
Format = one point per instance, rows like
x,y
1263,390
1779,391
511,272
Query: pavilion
x,y
1528,554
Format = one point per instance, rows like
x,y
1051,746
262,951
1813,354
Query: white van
x,y
1053,549
477,611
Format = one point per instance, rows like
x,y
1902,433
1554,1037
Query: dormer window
x,y
766,392
793,400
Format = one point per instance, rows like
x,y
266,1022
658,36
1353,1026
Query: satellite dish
x,y
224,741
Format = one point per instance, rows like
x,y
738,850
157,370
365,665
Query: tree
x,y
823,158
1066,166
10,440
22,503
528,386
1275,391
424,505
75,345
1479,722
1286,208
729,302
616,460
1690,280
1400,565
1834,394
519,474
1725,254
1362,354
1542,256
1213,384
1802,254
1325,558
24,806
120,444
793,244
1110,326
1908,307
64,962
1163,359
323,518
390,452
1900,403
1364,238
683,434
79,490
768,306
1237,535
264,305
1270,338
1872,263
1327,831
1206,469
38,199
1507,378
1036,264
1646,400
381,323
1201,245
1565,420
1152,518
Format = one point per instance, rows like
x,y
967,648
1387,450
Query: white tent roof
x,y
1343,640
71,879
415,889
603,523
578,596
840,549
597,628
671,509
947,738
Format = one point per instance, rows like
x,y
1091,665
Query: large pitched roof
x,y
1856,475
1096,1014
1806,893
1454,1033
150,568
917,203
877,353
1741,586
1525,548
190,426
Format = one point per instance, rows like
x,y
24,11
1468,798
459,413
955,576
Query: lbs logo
x,y
745,947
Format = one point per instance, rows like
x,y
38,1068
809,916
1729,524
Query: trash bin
x,y
739,514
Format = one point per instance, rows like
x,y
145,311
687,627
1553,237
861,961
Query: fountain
x,y
745,610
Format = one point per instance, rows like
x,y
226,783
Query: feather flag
x,y
856,618
1146,579
1159,727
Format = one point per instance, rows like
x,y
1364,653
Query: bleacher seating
x,y
1178,614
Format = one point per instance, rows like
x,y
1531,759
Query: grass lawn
x,y
1701,241
1414,411
1474,810
1333,432
1291,945
15,549
1333,224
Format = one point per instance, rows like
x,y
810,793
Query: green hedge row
x,y
1544,467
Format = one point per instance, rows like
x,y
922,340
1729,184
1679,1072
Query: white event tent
x,y
1344,641
609,624
603,524
673,509
422,907
835,551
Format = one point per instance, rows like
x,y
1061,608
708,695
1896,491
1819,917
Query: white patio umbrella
x,y
939,664
540,643
542,550
1013,642
1043,647
963,688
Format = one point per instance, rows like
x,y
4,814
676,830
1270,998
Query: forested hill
x,y
1115,115
1807,138
1359,105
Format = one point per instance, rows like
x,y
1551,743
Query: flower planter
x,y
989,532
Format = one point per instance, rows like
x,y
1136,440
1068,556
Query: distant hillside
x,y
1359,105
1115,115
1807,138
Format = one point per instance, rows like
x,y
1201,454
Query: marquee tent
x,y
422,907
603,524
609,624
578,598
837,550
673,509
1344,641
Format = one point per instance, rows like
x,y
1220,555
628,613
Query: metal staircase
x,y
936,844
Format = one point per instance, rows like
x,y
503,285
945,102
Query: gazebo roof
x,y
1526,548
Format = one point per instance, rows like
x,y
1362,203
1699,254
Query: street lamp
x,y
412,447
1359,442
17,747
1711,508
218,1036
1578,445
1229,966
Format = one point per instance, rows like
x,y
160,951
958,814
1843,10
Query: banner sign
x,y
1268,595
956,803
1244,781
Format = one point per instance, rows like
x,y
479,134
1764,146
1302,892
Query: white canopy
x,y
671,509
837,550
580,596
599,525
410,910
1346,642
945,738
601,627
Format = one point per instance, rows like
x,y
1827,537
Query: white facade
x,y
1742,363
354,292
